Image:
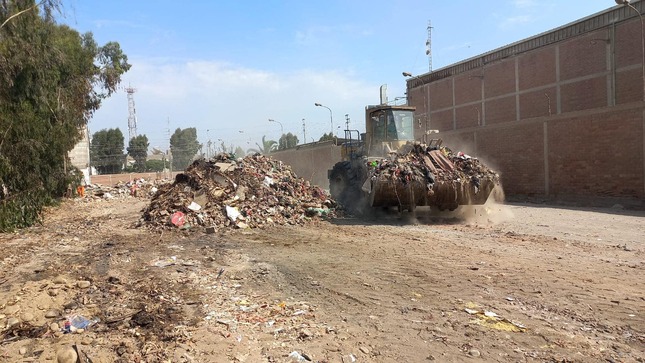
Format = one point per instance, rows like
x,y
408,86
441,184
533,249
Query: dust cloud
x,y
493,212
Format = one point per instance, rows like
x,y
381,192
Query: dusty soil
x,y
502,283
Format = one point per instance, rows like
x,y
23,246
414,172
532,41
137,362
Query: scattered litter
x,y
194,206
165,262
75,322
494,321
297,357
178,219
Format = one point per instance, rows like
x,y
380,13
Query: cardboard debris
x,y
253,192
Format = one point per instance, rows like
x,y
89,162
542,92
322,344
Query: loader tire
x,y
345,181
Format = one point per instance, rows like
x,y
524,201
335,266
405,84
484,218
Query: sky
x,y
227,67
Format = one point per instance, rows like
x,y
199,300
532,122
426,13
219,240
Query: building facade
x,y
561,114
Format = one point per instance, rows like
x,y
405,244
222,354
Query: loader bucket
x,y
450,195
443,195
389,193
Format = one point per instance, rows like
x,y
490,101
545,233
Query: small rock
x,y
71,305
27,317
51,314
210,230
87,341
474,353
52,292
59,280
12,321
12,310
79,331
66,355
22,350
54,327
83,284
364,350
306,333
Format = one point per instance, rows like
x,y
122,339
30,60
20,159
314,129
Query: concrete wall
x,y
112,179
311,161
560,114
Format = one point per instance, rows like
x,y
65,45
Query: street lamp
x,y
626,2
426,106
331,118
408,74
278,122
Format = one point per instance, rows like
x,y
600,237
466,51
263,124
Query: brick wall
x,y
564,118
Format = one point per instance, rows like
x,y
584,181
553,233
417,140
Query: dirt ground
x,y
501,283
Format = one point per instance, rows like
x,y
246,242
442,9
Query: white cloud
x,y
227,98
524,3
514,21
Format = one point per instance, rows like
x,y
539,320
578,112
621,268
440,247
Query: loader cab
x,y
388,127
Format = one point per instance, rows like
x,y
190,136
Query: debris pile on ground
x,y
423,163
255,191
135,188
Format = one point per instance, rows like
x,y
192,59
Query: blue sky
x,y
226,67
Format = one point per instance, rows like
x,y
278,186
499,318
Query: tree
x,y
226,149
155,165
184,147
327,137
239,152
287,141
52,79
106,151
138,150
267,147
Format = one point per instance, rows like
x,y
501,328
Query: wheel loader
x,y
386,167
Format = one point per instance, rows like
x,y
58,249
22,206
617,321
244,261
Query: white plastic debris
x,y
232,212
194,206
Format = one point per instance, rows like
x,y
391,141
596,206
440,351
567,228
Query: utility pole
x,y
168,151
346,121
304,132
208,145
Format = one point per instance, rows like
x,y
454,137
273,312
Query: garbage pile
x,y
252,192
420,162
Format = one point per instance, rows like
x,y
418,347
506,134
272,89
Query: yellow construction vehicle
x,y
387,167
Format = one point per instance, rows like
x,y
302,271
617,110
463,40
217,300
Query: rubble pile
x,y
252,192
134,188
420,162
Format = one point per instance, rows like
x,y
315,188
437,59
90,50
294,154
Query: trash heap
x,y
135,188
433,166
252,192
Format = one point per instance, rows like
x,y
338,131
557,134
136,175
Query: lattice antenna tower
x,y
132,113
429,46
